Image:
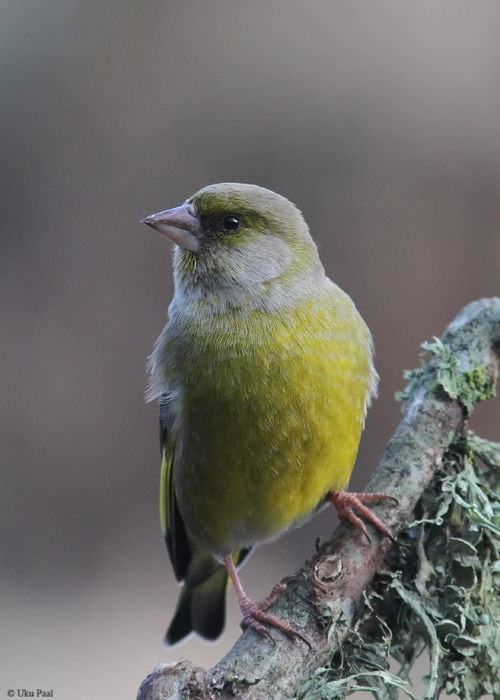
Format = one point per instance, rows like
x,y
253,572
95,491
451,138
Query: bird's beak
x,y
180,225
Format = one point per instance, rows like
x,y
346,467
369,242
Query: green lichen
x,y
412,376
440,592
456,576
468,386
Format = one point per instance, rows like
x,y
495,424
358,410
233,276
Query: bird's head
x,y
239,241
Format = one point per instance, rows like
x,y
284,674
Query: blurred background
x,y
380,120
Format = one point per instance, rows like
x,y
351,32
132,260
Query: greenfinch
x,y
264,373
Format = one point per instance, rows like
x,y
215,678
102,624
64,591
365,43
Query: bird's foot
x,y
345,502
254,615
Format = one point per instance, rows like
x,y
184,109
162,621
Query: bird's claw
x,y
254,615
345,502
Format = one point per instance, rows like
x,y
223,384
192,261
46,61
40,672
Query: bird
x,y
263,374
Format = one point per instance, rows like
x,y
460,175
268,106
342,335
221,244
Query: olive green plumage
x,y
264,373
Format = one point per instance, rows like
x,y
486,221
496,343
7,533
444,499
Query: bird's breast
x,y
270,412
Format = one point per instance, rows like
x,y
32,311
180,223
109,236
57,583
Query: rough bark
x,y
343,568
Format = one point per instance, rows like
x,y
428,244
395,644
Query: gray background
x,y
380,120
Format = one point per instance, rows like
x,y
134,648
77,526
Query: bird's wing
x,y
174,530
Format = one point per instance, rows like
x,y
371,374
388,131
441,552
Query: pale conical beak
x,y
180,225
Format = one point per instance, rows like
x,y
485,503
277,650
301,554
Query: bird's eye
x,y
230,223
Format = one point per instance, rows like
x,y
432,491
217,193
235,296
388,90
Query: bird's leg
x,y
345,502
254,613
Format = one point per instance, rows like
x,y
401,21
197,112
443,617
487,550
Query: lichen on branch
x,y
440,592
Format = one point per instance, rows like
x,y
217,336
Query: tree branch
x,y
436,411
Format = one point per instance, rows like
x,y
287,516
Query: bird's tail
x,y
202,605
201,609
